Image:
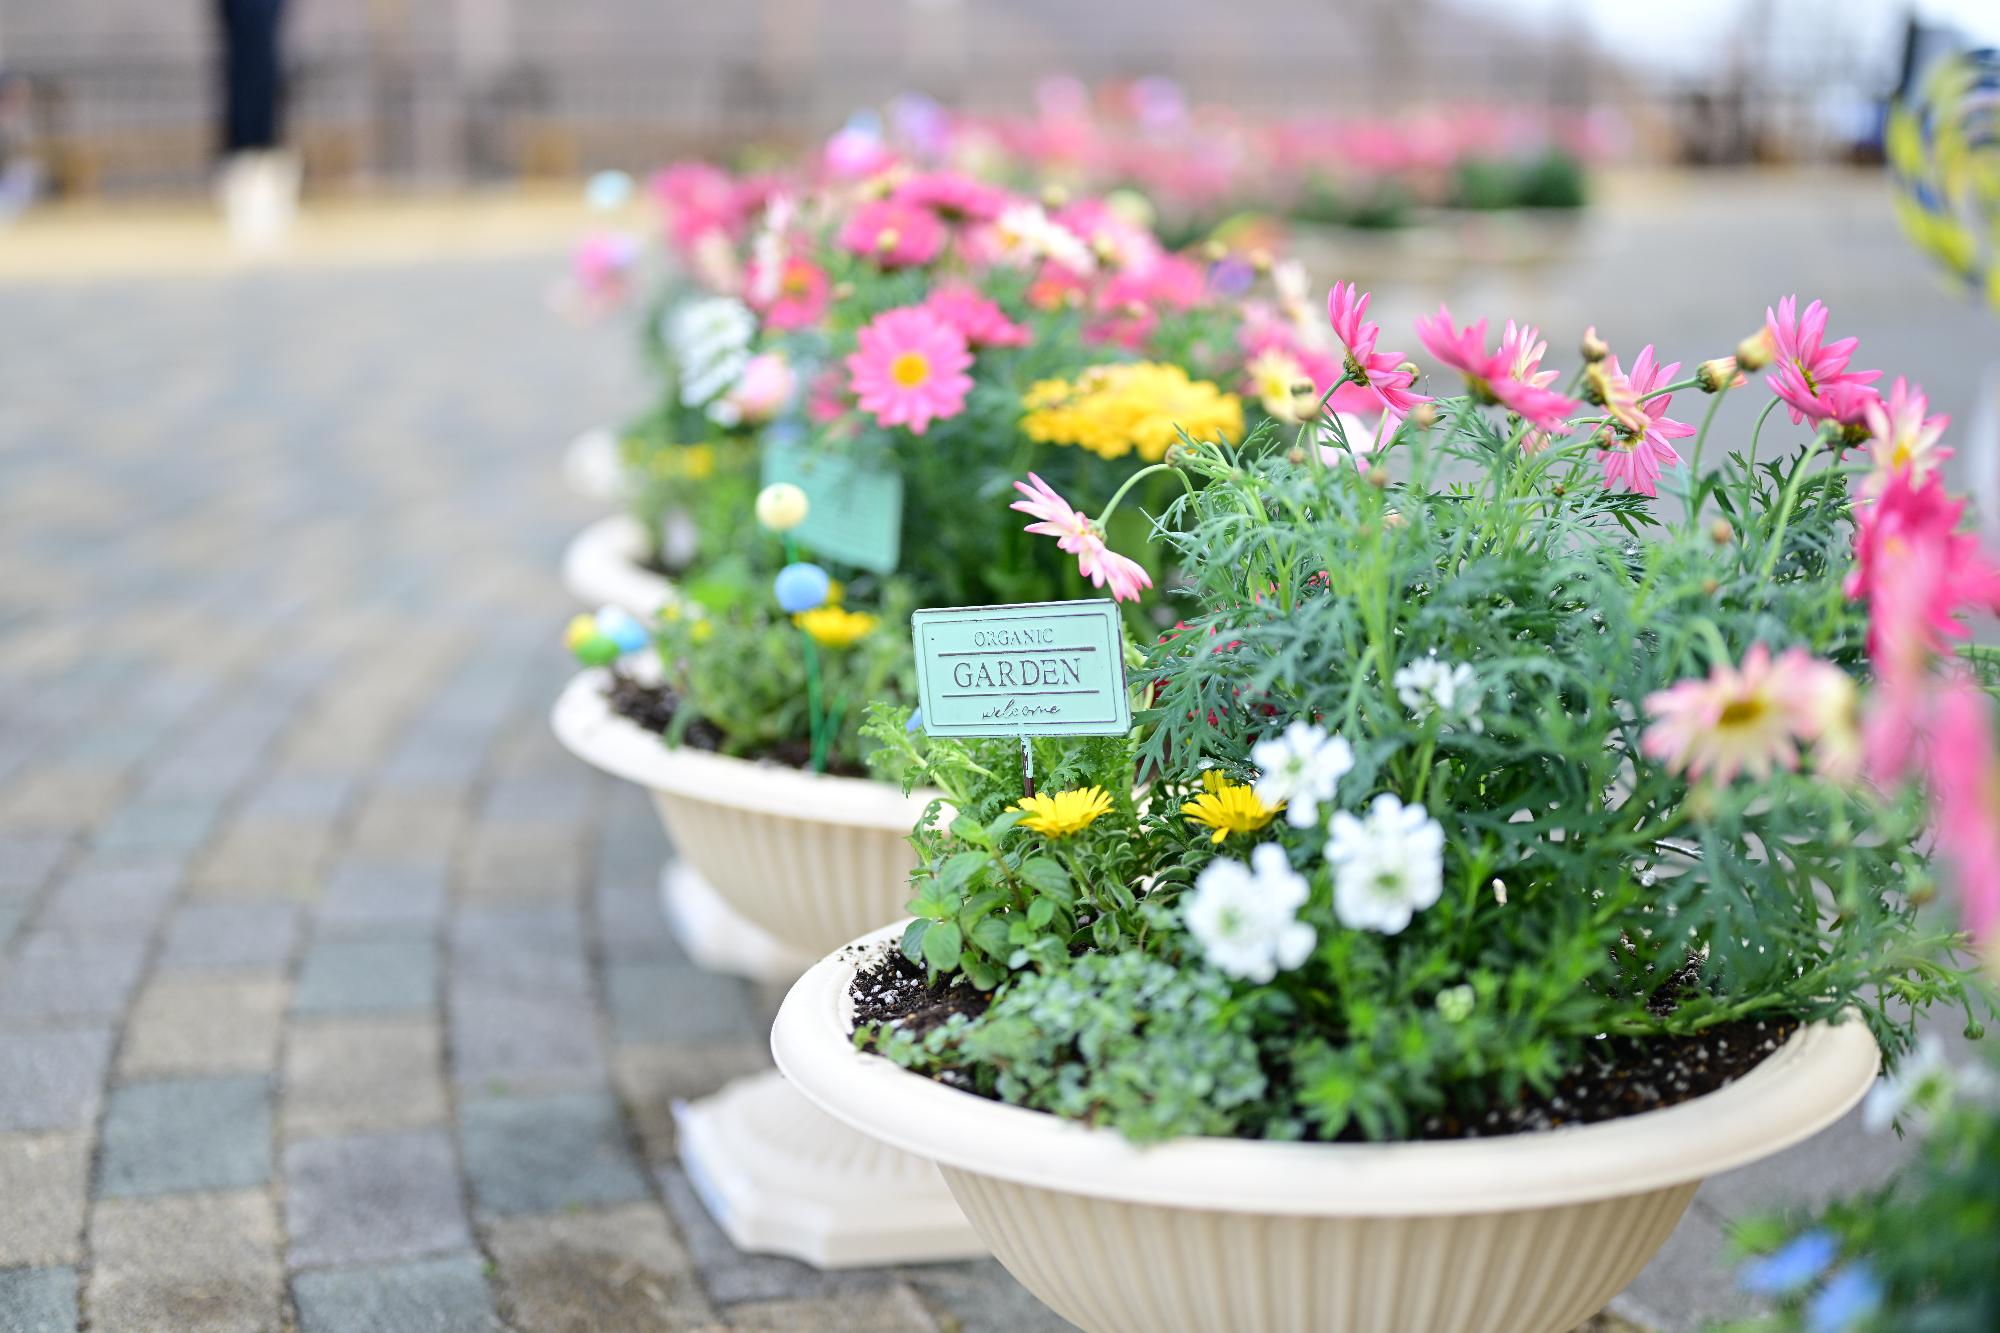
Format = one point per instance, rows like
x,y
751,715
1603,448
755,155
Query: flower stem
x,y
1792,488
1694,462
1119,495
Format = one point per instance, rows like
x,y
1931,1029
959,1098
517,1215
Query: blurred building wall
x,y
424,91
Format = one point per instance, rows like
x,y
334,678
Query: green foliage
x,y
1553,180
1159,1050
738,664
1579,873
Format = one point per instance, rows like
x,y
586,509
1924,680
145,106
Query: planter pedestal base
x,y
782,1177
718,938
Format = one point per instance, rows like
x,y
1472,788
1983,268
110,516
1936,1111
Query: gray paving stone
x,y
652,1077
373,1197
895,1309
620,1268
180,1135
12,913
52,1080
983,1297
27,860
543,1154
631,925
177,823
524,863
192,1261
447,1295
45,1183
38,1300
201,1024
110,896
562,798
731,1276
523,948
371,974
230,936
667,1002
362,1075
71,974
522,1038
365,893
306,796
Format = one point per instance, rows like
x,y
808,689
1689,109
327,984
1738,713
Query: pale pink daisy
x,y
908,369
1346,308
894,234
1737,720
1901,438
981,320
1079,536
1490,375
1638,433
1809,373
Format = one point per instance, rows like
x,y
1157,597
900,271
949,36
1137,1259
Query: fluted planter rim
x,y
601,566
586,726
1797,1091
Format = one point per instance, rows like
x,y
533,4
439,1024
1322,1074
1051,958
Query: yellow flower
x,y
1064,813
698,462
1228,807
835,627
1112,410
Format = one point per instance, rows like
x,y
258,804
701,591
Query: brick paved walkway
x,y
333,995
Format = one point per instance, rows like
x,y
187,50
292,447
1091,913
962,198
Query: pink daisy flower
x,y
1737,720
1965,797
1075,533
1916,570
953,197
893,233
795,300
908,369
1490,375
982,322
1346,305
1901,438
1812,375
1640,430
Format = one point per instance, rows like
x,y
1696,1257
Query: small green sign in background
x,y
854,514
1032,669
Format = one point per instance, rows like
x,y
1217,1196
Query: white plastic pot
x,y
1529,1233
602,567
813,860
591,467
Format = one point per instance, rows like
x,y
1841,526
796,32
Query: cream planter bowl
x,y
600,567
1529,1233
815,861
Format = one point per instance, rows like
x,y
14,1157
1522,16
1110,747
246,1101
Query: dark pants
x,y
252,77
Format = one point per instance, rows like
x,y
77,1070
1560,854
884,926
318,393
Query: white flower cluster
x,y
1246,917
709,340
1300,767
1026,235
1448,689
1387,865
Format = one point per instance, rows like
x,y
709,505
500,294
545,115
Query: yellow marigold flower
x,y
1064,812
1228,807
1114,409
835,627
698,462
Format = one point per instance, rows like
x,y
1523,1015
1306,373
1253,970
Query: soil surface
x,y
1621,1076
653,707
